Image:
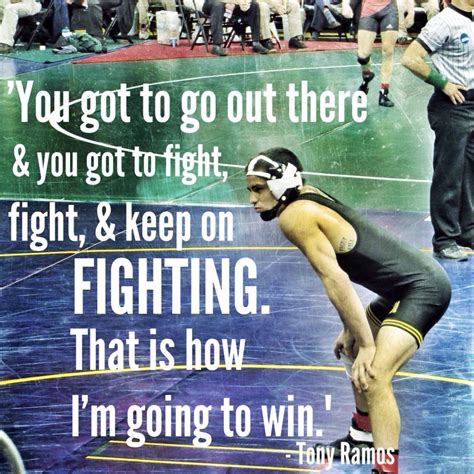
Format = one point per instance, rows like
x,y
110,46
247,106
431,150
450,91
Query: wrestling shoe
x,y
453,252
384,101
353,445
366,78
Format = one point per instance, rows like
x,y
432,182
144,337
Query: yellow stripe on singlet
x,y
371,316
406,327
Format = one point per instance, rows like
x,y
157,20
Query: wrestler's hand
x,y
362,370
453,91
344,343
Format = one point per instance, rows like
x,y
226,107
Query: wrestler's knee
x,y
378,384
387,51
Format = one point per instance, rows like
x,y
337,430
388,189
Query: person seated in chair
x,y
320,15
14,10
295,25
406,15
98,9
246,9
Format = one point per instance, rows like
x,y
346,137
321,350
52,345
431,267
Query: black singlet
x,y
379,261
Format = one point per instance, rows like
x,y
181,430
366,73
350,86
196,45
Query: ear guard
x,y
280,177
290,179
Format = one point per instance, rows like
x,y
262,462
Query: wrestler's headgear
x,y
282,170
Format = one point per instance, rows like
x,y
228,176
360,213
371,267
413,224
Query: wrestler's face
x,y
261,197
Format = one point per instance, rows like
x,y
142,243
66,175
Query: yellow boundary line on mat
x,y
200,464
150,249
205,464
432,377
37,378
164,249
249,449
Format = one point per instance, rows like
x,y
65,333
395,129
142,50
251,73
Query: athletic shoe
x,y
384,101
364,87
331,21
453,252
314,36
218,51
466,245
296,43
404,40
144,34
5,48
354,446
258,48
267,44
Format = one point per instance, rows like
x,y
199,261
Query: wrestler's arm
x,y
300,223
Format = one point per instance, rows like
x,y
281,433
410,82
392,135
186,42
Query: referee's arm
x,y
414,60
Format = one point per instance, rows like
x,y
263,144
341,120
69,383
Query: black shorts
x,y
417,311
387,19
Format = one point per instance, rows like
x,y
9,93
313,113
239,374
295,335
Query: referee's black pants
x,y
452,189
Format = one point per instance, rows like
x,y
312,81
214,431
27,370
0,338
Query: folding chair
x,y
110,20
273,28
203,26
183,13
237,28
39,20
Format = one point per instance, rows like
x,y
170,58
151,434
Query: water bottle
x,y
174,25
173,32
66,33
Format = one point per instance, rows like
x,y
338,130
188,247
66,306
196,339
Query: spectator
x,y
246,9
143,19
295,25
60,18
14,10
406,15
321,16
95,10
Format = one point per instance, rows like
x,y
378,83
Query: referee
x,y
449,39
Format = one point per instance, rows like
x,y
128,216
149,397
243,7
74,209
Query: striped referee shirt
x,y
449,39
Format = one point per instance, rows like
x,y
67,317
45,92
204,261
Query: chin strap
x,y
272,213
